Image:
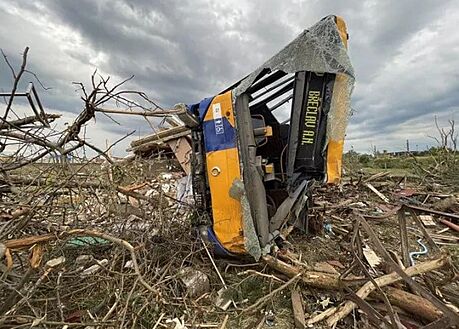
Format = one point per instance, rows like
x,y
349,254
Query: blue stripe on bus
x,y
220,141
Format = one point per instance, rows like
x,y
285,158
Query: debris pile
x,y
112,246
173,142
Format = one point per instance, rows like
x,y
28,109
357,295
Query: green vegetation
x,y
439,164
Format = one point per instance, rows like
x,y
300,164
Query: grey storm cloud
x,y
404,53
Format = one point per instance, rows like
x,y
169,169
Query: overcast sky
x,y
405,55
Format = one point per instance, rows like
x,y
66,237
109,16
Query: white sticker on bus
x,y
218,121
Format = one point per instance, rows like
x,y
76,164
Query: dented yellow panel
x,y
222,169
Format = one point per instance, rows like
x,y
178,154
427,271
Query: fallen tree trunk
x,y
411,303
332,282
310,278
383,281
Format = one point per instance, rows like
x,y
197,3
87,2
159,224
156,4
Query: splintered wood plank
x,y
382,196
403,237
298,311
158,136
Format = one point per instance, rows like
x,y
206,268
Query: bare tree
x,y
447,136
444,155
32,138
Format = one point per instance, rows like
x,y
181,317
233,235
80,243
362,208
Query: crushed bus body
x,y
260,145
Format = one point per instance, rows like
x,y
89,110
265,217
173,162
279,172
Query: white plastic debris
x,y
129,264
122,198
223,301
55,261
185,190
94,268
325,302
179,323
83,259
358,205
270,318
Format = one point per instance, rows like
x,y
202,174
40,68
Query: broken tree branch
x,y
27,120
310,278
426,234
407,278
154,113
260,302
337,314
403,237
16,77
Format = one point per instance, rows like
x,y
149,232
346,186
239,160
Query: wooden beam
x,y
159,135
432,211
403,237
298,311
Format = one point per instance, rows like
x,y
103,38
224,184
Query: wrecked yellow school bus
x,y
260,145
